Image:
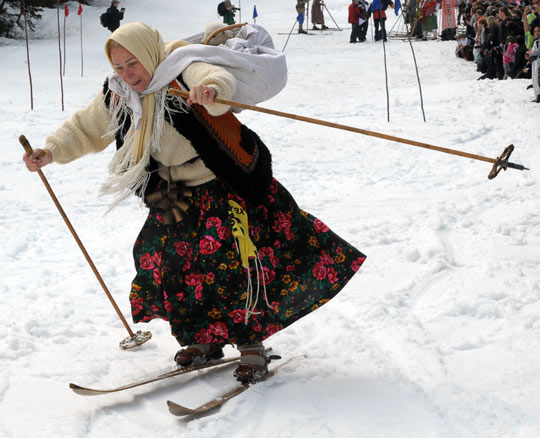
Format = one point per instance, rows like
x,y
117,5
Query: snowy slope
x,y
437,336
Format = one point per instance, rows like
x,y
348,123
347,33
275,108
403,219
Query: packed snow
x,y
438,335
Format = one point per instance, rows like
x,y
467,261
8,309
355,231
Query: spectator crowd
x,y
502,39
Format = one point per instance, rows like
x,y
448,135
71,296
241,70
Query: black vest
x,y
252,186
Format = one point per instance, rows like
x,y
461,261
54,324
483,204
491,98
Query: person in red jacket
x,y
378,9
355,14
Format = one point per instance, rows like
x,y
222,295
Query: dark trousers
x,y
380,34
355,32
363,30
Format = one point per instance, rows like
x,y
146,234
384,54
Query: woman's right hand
x,y
37,159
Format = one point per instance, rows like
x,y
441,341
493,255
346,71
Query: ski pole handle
x,y
28,149
25,144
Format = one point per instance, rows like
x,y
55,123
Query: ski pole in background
x,y
134,339
499,163
294,25
337,25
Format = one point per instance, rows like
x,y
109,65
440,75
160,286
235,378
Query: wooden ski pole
x,y
499,163
134,339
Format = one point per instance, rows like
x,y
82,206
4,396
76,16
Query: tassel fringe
x,y
126,175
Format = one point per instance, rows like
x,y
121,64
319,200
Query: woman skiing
x,y
225,256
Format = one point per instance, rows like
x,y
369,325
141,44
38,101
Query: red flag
x,y
79,11
66,10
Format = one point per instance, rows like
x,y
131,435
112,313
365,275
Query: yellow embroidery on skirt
x,y
240,231
246,248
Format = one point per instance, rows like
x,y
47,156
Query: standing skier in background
x,y
317,17
301,11
226,256
355,13
229,12
114,16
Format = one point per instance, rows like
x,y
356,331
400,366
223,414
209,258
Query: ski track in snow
x,y
437,336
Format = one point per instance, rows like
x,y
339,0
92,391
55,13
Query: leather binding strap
x,y
227,131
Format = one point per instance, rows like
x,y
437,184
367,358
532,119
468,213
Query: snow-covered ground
x,y
437,336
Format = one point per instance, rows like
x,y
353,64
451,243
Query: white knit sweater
x,y
87,130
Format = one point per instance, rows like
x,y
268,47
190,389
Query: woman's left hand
x,y
201,94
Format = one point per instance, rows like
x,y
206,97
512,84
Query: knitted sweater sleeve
x,y
83,134
201,73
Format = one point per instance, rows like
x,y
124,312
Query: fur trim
x,y
252,186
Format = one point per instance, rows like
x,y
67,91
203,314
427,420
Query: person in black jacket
x,y
114,16
492,52
520,61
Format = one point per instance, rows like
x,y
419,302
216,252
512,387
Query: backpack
x,y
221,9
104,19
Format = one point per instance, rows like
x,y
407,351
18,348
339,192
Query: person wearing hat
x,y
230,12
115,16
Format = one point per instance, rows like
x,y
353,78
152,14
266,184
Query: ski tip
x,y
83,391
179,410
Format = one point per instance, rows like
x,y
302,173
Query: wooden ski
x,y
181,411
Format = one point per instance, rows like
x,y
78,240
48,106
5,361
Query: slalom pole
x,y
60,52
79,13
307,14
499,163
416,68
383,30
134,339
82,58
28,55
66,12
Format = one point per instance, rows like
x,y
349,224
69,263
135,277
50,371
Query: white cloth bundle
x,y
260,70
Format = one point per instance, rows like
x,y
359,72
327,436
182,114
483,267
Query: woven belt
x,y
172,201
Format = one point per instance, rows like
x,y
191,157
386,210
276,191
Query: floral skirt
x,y
191,273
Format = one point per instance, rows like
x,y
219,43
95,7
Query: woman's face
x,y
130,70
